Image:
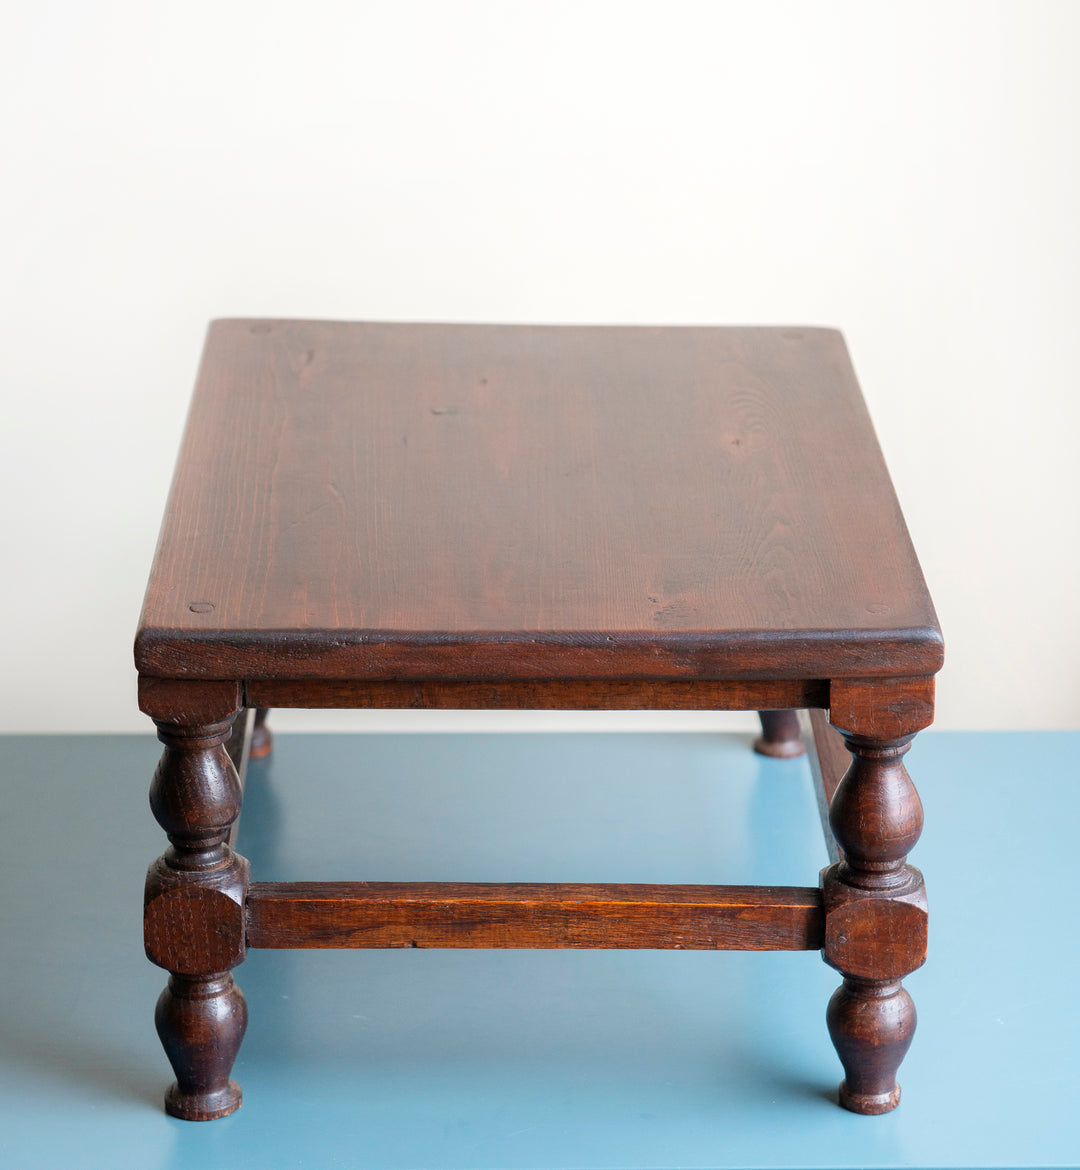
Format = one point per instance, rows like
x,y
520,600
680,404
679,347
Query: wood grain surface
x,y
530,695
372,501
239,747
532,915
829,760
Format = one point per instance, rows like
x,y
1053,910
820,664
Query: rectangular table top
x,y
379,501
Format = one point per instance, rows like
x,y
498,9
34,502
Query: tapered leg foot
x,y
201,1023
262,742
871,1025
779,735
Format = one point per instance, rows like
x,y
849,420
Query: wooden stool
x,y
459,516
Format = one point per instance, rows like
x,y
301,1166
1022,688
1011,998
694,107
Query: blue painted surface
x,y
413,1058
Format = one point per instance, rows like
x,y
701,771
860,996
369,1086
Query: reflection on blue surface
x,y
414,1058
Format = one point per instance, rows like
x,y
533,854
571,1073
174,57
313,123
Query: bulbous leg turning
x,y
871,1025
201,1022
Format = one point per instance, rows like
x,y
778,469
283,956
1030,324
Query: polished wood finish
x,y
238,745
492,502
882,708
240,748
564,518
779,735
537,695
201,1022
829,760
194,918
875,919
457,914
189,702
871,1024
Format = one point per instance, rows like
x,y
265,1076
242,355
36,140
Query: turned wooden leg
x,y
200,1022
875,920
871,1023
194,918
779,735
262,742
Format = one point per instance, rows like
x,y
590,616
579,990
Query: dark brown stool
x,y
457,516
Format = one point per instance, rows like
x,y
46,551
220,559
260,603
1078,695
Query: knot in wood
x,y
876,814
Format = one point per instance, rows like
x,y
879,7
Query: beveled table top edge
x,y
476,655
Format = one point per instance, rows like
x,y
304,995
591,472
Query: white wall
x,y
906,171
